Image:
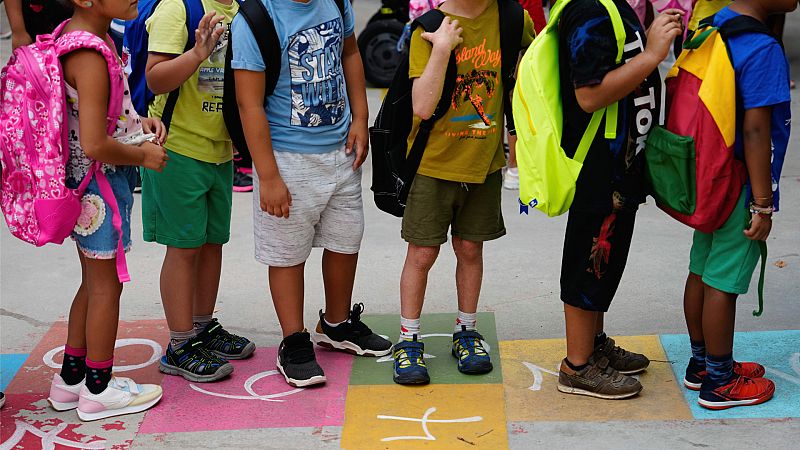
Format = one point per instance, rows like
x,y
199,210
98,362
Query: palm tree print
x,y
466,90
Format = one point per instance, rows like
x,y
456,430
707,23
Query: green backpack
x,y
547,175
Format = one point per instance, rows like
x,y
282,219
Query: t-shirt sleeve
x,y
764,77
246,54
348,19
528,31
589,39
167,28
418,54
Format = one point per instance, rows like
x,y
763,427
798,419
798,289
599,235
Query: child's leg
x,y
102,318
581,326
76,330
286,284
178,284
719,318
414,279
339,275
693,301
469,273
208,270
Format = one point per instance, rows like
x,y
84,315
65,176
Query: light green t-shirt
x,y
197,129
466,144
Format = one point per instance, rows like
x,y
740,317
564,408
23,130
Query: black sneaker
x,y
2,399
297,362
224,344
242,182
194,362
353,336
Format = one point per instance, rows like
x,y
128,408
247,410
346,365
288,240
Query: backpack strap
x,y
261,24
512,25
194,13
430,22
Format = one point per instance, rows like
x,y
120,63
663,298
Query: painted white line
x,y
49,357
424,420
248,386
794,362
390,357
49,439
538,375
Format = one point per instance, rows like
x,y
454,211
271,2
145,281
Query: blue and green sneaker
x,y
473,359
224,344
409,363
194,362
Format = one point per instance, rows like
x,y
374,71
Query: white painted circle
x,y
248,386
49,357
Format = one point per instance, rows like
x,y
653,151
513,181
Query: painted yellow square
x,y
473,417
530,378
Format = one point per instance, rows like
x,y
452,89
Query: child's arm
x,y
87,70
623,80
275,197
165,73
756,133
357,95
19,35
427,89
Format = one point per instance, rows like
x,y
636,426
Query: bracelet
x,y
763,211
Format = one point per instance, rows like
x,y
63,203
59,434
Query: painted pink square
x,y
269,403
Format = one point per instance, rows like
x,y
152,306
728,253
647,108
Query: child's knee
x,y
421,258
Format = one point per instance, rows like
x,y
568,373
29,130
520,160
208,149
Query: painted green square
x,y
443,366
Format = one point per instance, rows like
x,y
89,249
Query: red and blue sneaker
x,y
409,363
739,391
696,372
473,359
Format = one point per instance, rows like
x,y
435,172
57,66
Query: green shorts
x,y
726,258
188,204
434,205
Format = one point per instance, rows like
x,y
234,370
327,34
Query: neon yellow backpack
x,y
547,175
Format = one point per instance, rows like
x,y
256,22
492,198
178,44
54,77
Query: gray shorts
x,y
327,210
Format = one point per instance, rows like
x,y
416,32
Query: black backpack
x,y
258,19
393,164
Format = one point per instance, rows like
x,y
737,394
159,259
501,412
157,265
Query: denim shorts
x,y
94,233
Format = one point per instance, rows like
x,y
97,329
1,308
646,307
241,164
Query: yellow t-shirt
x,y
705,8
197,129
467,143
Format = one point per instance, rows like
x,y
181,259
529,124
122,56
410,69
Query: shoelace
x,y
301,354
409,355
125,384
359,328
741,382
469,342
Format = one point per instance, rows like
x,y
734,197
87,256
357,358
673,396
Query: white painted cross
x,y
425,420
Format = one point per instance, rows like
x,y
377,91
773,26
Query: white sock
x,y
513,171
408,329
334,324
465,319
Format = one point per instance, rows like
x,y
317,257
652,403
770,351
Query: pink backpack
x,y
38,206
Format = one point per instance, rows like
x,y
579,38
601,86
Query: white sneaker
x,y
64,397
511,179
122,396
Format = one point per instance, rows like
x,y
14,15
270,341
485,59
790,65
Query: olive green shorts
x,y
471,211
726,258
188,204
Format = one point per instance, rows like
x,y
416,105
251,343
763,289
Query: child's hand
x,y
207,35
154,156
759,228
275,197
20,39
448,36
358,139
663,32
155,126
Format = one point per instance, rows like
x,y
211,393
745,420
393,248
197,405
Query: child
x,y
722,263
610,186
308,148
86,381
459,181
30,18
187,207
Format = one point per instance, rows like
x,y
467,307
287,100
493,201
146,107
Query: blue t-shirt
x,y
309,111
762,79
